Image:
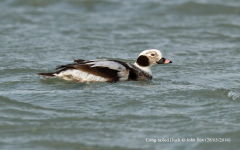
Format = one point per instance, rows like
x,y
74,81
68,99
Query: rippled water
x,y
195,97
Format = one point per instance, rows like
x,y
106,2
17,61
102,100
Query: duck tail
x,y
47,74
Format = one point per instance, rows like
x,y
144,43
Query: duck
x,y
110,70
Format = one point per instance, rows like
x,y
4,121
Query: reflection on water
x,y
233,95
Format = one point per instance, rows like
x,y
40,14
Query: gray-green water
x,y
191,98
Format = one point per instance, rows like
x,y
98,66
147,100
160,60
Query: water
x,y
191,98
234,95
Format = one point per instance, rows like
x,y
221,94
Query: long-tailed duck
x,y
108,70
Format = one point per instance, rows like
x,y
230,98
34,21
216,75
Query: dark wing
x,y
133,74
80,61
95,67
104,72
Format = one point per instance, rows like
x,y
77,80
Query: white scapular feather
x,y
110,64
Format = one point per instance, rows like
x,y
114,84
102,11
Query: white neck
x,y
146,69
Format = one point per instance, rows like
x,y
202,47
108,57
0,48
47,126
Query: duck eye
x,y
152,54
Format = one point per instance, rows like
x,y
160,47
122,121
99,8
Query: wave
x,y
206,8
139,7
85,5
233,95
65,144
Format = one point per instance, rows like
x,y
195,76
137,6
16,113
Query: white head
x,y
149,58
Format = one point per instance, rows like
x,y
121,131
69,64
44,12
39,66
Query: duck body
x,y
107,70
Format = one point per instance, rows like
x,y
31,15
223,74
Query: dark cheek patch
x,y
143,61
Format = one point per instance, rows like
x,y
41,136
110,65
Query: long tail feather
x,y
47,74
